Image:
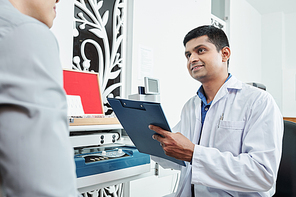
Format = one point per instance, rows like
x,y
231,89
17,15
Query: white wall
x,y
161,26
263,50
278,62
245,41
273,54
289,66
63,30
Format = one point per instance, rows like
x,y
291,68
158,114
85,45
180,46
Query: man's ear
x,y
225,54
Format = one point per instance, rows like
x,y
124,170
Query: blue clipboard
x,y
135,117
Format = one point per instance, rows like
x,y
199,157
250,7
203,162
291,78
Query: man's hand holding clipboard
x,y
136,117
174,144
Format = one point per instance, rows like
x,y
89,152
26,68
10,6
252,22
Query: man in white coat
x,y
230,133
36,157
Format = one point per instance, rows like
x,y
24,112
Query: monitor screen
x,y
151,86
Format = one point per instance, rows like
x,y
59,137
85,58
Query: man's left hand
x,y
174,144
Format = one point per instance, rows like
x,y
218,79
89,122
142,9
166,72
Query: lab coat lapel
x,y
232,83
197,128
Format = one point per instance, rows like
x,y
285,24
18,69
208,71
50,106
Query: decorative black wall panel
x,y
98,43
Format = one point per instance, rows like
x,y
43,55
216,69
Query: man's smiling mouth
x,y
196,66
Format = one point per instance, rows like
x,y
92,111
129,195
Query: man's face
x,y
204,62
42,10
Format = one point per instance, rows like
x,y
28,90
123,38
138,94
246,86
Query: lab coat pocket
x,y
229,136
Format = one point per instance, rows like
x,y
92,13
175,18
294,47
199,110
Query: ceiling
x,y
271,6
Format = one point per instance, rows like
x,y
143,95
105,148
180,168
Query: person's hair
x,y
215,36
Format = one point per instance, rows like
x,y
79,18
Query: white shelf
x,y
95,127
98,181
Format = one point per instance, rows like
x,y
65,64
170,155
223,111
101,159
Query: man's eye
x,y
188,56
201,50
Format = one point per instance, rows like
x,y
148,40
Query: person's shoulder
x,y
192,102
256,95
244,88
253,90
249,93
13,20
19,29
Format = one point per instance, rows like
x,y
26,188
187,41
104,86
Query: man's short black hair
x,y
215,36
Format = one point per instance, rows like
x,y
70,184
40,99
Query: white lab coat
x,y
239,154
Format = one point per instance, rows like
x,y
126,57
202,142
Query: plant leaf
x,y
97,32
114,74
100,4
121,5
105,18
111,88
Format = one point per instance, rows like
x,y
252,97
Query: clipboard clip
x,y
133,105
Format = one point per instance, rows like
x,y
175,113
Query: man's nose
x,y
193,57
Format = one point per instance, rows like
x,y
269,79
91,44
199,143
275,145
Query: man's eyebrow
x,y
195,48
198,46
187,52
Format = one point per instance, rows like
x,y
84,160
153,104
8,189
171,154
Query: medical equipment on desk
x,y
148,92
98,160
105,158
99,149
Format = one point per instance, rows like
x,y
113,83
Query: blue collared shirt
x,y
205,106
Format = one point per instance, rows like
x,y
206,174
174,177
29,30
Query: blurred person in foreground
x,y
36,158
